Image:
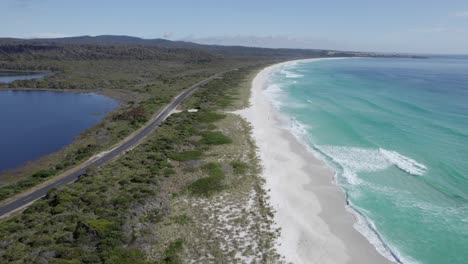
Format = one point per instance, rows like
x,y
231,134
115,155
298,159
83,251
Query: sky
x,y
413,26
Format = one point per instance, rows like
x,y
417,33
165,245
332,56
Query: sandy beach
x,y
310,209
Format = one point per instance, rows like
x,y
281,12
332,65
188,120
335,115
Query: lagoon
x,y
8,77
37,123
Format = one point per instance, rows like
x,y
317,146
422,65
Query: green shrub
x,y
43,174
168,172
172,252
186,155
239,167
209,117
215,138
99,225
182,219
125,255
208,185
214,169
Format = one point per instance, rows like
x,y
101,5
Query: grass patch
x,y
209,117
215,138
99,225
171,254
239,167
186,155
209,185
182,219
214,169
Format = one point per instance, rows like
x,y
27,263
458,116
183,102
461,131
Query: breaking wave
x,y
354,160
290,75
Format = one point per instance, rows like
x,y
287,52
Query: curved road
x,y
25,200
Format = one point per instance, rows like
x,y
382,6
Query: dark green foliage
x,y
215,138
209,185
29,182
206,186
209,117
214,169
44,174
168,172
183,219
186,155
43,51
171,254
134,115
239,167
125,256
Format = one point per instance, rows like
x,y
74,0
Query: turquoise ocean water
x,y
395,131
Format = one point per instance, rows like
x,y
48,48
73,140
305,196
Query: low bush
x,y
172,252
209,185
215,138
209,117
239,167
186,155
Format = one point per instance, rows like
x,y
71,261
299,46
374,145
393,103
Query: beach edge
x,y
310,209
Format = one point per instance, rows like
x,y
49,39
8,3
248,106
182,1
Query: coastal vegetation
x,y
126,211
189,192
143,79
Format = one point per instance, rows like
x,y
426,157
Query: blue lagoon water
x,y
8,77
396,133
36,123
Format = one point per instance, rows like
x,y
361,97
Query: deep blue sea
x,y
395,131
36,123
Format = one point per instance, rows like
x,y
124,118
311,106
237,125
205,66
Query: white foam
x,y
273,92
404,163
297,129
367,229
290,75
354,160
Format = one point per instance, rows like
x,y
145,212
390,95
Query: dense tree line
x,y
44,51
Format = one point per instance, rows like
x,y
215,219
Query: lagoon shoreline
x,y
311,210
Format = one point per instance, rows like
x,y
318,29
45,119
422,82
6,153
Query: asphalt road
x,y
25,200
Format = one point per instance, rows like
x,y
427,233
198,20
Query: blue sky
x,y
424,26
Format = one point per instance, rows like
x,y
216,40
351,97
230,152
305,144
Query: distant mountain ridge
x,y
236,51
120,40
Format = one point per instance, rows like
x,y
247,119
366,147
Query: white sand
x,y
310,208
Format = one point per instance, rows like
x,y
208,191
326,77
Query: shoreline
x,y
311,210
30,165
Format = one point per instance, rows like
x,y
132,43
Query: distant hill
x,y
120,40
231,51
236,51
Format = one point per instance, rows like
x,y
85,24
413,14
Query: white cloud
x,y
168,35
437,29
49,35
462,14
274,41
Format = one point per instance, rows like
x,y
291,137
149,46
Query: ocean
x,y
395,131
